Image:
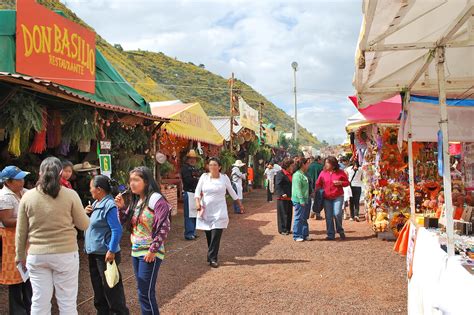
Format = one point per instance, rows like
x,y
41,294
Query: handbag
x,y
112,275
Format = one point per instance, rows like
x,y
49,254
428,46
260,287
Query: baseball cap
x,y
12,172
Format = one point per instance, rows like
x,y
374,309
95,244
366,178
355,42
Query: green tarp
x,y
110,86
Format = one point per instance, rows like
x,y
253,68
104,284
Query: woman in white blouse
x,y
212,207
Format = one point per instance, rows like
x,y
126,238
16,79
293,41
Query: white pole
x,y
440,57
411,173
296,107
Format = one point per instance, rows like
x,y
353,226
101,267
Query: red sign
x,y
51,47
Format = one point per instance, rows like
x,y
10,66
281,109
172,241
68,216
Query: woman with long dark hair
x,y
212,207
332,180
102,244
355,179
301,200
47,218
148,217
283,193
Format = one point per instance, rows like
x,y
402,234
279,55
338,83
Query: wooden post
x,y
440,60
231,113
260,119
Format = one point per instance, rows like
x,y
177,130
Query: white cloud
x,y
257,40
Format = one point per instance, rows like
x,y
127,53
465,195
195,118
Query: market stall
x,y
399,52
190,128
43,114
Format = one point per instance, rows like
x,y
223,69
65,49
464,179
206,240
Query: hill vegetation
x,y
158,77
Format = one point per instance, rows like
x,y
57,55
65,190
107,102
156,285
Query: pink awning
x,y
387,111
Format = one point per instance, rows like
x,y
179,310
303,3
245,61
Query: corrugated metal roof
x,y
55,89
222,124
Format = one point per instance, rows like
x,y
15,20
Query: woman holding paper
x,y
102,244
212,207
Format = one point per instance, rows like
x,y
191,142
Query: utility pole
x,y
294,65
231,113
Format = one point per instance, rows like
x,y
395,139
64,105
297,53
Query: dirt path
x,y
264,272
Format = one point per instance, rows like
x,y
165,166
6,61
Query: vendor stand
x,y
189,128
399,51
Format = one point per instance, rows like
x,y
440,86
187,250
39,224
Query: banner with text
x,y
51,47
248,116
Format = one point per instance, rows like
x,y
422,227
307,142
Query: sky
x,y
257,40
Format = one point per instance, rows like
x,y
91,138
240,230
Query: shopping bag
x,y
112,275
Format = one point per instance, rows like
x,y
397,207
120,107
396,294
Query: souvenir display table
x,y
439,284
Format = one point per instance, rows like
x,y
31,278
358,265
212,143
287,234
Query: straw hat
x,y
238,163
160,157
85,167
192,154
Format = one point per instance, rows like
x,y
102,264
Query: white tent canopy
x,y
397,44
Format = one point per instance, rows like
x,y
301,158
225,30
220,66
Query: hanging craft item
x,y
63,148
80,125
14,144
84,145
39,143
54,129
21,110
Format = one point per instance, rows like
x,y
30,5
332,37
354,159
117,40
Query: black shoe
x,y
214,264
329,238
343,236
190,238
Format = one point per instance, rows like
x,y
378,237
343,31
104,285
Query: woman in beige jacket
x,y
47,218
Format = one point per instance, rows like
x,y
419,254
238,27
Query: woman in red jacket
x,y
332,180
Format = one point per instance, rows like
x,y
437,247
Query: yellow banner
x,y
194,124
271,137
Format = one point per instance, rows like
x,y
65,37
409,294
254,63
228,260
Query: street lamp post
x,y
294,65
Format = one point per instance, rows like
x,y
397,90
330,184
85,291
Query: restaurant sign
x,y
51,47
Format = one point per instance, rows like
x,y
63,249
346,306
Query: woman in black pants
x,y
354,174
283,193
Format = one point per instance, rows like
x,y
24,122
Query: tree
x,y
202,66
118,47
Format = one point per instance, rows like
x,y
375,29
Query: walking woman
x,y
149,219
283,193
332,180
237,177
270,181
355,181
102,245
300,198
47,218
19,292
212,207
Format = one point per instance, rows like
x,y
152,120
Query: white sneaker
x,y
308,238
351,219
299,240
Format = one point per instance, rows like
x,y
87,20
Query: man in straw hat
x,y
190,177
237,177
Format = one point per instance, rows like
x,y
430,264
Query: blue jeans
x,y
189,223
333,211
146,275
236,207
300,223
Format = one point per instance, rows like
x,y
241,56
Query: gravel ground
x,y
264,272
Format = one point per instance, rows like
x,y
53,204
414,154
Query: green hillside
x,y
158,77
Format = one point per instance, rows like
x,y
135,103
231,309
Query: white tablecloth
x,y
439,285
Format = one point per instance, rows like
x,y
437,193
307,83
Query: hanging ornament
x,y
39,143
14,144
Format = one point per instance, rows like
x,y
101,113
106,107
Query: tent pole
x,y
411,172
440,58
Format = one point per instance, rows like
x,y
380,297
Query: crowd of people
x,y
48,249
304,187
